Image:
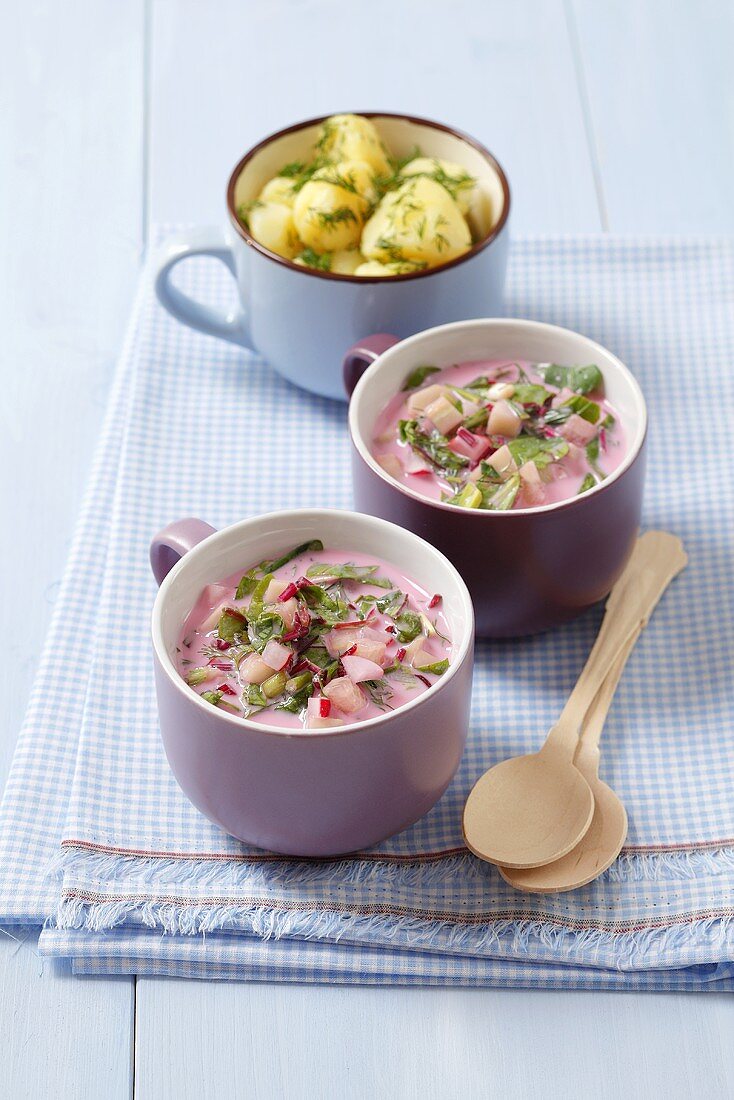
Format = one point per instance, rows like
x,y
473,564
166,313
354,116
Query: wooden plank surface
x,y
661,103
71,112
224,75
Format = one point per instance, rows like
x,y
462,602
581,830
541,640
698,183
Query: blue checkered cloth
x,y
141,875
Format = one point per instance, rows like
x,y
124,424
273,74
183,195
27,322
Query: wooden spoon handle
x,y
656,559
597,713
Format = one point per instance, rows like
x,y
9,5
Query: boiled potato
x,y
374,267
351,137
271,224
346,263
328,218
353,175
419,222
457,181
279,189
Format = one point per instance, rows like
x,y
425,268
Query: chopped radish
x,y
345,695
287,610
391,464
444,415
503,462
213,618
503,420
500,391
533,488
577,430
415,465
423,659
413,649
359,669
471,446
419,401
339,641
253,669
276,655
371,651
316,723
288,592
274,590
435,600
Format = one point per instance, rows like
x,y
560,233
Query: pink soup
x,y
314,639
500,434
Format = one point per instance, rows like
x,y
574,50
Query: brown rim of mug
x,y
473,251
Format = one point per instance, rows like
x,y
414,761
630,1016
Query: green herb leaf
x,y
470,496
248,583
589,410
268,625
349,572
319,261
408,625
529,448
579,379
258,593
231,624
588,483
434,447
392,604
528,393
303,548
254,697
417,377
505,496
197,676
437,668
213,697
553,417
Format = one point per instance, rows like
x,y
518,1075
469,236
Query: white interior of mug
x,y
464,341
249,542
401,136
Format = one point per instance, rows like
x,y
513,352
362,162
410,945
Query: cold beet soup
x,y
497,435
314,639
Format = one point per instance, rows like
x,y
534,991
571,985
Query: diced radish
x,y
400,655
413,649
391,464
533,489
503,420
221,664
503,462
471,446
318,706
345,695
371,651
419,401
276,655
339,641
317,723
500,391
435,600
253,669
577,430
287,611
324,707
562,397
423,659
444,415
226,689
274,590
415,465
359,669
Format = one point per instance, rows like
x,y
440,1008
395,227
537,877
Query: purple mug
x,y
526,569
308,792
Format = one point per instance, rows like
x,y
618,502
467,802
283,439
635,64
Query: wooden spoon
x,y
602,842
531,810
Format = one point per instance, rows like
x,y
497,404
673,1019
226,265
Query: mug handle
x,y
361,354
170,544
214,322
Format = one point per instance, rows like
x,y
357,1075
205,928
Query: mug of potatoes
x,y
345,226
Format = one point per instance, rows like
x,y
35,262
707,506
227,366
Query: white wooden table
x,y
615,117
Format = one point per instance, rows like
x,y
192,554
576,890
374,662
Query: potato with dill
x,y
419,223
353,210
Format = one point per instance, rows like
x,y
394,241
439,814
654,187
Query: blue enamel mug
x,y
302,320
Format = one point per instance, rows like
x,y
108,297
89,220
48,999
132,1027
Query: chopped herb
x,y
231,624
417,377
213,697
579,379
588,483
316,260
434,447
349,572
437,667
258,594
248,584
409,626
304,548
197,676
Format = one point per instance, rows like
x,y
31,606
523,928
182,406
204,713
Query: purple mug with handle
x,y
307,792
527,569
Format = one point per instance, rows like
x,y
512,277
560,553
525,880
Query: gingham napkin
x,y
200,435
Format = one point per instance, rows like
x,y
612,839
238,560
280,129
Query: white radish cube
x,y
413,649
423,659
419,401
443,415
533,489
359,669
253,669
276,655
503,420
317,723
213,618
372,651
500,391
287,611
345,695
391,464
339,641
503,462
274,589
577,430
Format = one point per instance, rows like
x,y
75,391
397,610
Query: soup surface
x,y
499,434
316,638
